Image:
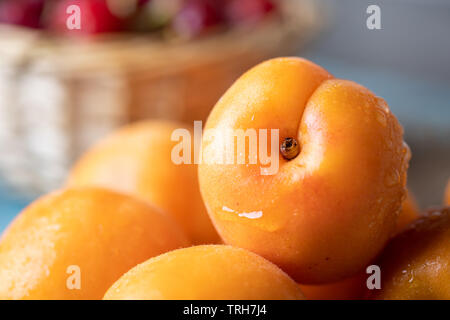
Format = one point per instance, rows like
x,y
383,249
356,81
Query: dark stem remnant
x,y
289,148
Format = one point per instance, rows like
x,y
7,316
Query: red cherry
x,y
196,17
95,17
142,3
26,13
248,11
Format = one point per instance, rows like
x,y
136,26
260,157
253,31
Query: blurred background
x,y
62,90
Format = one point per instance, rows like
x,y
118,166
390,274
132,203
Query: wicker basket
x,y
57,96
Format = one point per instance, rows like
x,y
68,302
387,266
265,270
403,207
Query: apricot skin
x,y
137,160
416,263
354,288
329,211
213,272
102,232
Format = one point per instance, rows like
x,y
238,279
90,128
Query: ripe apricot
x,y
327,212
213,272
90,234
355,287
352,288
416,263
137,160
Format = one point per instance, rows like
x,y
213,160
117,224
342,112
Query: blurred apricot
x,y
137,160
212,272
416,263
330,209
74,244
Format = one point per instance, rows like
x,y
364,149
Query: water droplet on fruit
x,y
225,208
381,118
249,215
392,178
382,103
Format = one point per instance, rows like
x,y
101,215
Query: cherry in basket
x,y
25,13
248,11
197,17
96,17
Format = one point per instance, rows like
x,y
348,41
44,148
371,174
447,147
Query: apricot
x,y
137,160
73,244
327,212
355,287
416,263
213,272
352,288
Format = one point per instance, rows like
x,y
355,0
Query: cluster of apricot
x,y
132,224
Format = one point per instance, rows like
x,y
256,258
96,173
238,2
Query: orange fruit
x,y
73,244
137,160
354,288
416,263
326,212
213,272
